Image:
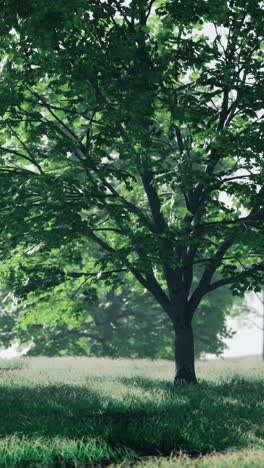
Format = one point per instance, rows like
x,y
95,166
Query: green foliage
x,y
128,125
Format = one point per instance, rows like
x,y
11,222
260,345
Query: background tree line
x,y
119,322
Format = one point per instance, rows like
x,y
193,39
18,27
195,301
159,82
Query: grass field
x,y
69,412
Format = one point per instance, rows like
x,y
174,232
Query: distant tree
x,y
124,123
125,322
121,322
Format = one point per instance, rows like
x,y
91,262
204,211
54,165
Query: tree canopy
x,y
128,124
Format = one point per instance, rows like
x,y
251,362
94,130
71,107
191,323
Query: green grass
x,y
87,411
10,364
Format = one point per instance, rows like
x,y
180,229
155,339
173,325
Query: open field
x,y
94,412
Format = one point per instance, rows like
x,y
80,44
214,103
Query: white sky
x,y
248,339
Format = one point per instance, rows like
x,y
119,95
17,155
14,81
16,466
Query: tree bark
x,y
184,355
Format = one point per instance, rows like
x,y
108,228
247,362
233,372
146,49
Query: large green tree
x,y
123,122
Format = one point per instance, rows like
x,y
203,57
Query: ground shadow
x,y
195,419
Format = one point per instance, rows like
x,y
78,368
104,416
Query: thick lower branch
x,y
154,202
205,281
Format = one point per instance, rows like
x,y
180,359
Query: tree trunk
x,y
184,355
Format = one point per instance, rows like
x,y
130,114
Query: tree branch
x,y
131,207
224,110
77,274
205,280
64,109
108,229
218,284
68,130
101,242
152,285
179,139
151,3
146,179
154,202
117,5
234,221
17,153
31,157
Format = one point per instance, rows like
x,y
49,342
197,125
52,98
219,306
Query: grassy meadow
x,y
69,412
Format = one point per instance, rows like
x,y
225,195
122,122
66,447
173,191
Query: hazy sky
x,y
248,339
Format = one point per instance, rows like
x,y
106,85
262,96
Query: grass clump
x,y
77,411
23,451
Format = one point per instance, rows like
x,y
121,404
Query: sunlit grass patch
x,y
247,458
60,451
